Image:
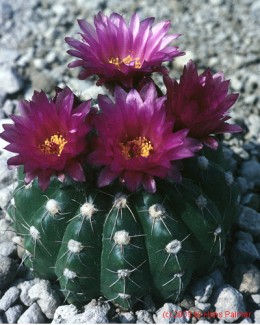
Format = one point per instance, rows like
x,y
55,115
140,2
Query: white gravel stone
x,y
9,298
7,248
14,313
202,289
93,314
203,306
246,278
6,194
9,80
127,318
169,314
7,271
25,287
228,300
257,317
33,315
6,231
256,299
64,313
46,297
144,317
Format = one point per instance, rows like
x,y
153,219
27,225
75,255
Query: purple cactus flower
x,y
201,103
135,140
49,136
121,54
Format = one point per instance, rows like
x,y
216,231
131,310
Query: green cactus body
x,y
126,246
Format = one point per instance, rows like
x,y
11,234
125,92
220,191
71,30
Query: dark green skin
x,y
128,245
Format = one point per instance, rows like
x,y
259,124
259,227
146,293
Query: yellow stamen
x,y
139,147
53,145
127,60
114,61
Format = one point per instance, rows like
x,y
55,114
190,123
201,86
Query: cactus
x,y
124,245
154,226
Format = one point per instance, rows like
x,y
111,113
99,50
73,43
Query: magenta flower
x,y
135,140
49,137
118,53
201,103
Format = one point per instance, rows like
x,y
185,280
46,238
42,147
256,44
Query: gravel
x,y
202,289
228,303
216,33
9,298
246,278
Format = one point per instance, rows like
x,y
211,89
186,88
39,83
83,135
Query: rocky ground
x,y
221,34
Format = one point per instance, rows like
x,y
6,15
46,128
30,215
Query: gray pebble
x,y
8,249
8,56
256,299
14,313
202,289
218,278
7,271
127,318
6,231
42,80
244,252
242,183
252,200
33,315
144,317
46,297
246,278
249,220
256,317
227,300
9,80
203,306
25,287
251,171
9,298
244,235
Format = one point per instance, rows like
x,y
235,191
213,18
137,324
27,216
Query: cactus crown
x,y
168,199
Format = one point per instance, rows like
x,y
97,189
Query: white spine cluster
x,y
35,234
120,201
53,207
156,211
201,202
124,296
69,274
75,246
87,210
123,274
122,237
173,247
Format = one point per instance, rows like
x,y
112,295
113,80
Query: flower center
x,y
139,147
53,145
128,60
